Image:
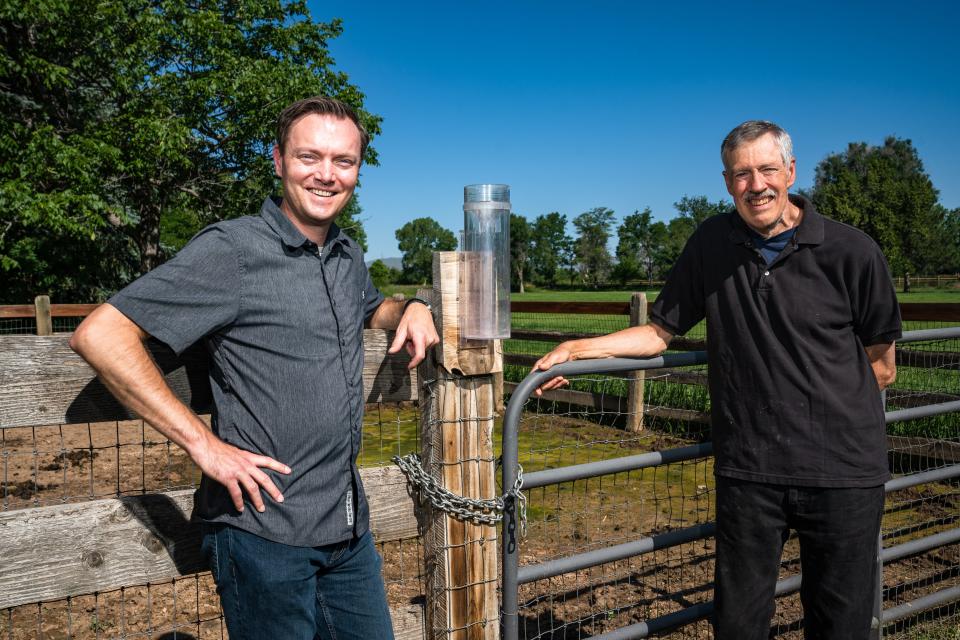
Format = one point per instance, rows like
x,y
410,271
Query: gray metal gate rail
x,y
514,575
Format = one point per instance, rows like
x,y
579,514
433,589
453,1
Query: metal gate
x,y
515,575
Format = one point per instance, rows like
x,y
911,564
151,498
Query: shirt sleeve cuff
x,y
883,338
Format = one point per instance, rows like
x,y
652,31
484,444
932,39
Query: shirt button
x,y
766,273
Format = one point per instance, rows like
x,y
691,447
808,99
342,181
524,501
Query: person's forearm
x,y
883,361
114,347
388,314
633,342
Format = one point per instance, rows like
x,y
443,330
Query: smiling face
x,y
758,180
318,167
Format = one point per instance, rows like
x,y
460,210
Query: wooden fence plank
x,y
590,308
18,311
72,310
42,381
53,552
44,319
930,311
920,311
408,622
638,316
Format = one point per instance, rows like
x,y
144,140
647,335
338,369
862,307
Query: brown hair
x,y
321,105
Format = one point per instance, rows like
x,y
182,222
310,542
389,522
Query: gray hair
x,y
750,131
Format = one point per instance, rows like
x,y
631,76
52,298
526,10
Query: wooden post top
x,y
465,357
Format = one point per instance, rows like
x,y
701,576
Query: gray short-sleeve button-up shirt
x,y
283,321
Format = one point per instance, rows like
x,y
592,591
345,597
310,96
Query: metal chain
x,y
487,511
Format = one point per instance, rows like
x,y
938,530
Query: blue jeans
x,y
274,591
838,531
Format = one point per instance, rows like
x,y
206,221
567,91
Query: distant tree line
x,y
882,190
127,127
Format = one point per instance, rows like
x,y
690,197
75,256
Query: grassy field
x,y
536,294
910,380
544,295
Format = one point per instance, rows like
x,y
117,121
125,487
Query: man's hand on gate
x,y
416,331
239,471
562,353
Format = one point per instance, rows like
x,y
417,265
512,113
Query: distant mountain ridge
x,y
394,263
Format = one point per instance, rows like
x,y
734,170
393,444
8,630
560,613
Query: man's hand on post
x,y
417,331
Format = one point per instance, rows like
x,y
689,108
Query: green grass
x,y
536,294
546,295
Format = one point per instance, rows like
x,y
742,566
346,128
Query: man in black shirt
x,y
801,323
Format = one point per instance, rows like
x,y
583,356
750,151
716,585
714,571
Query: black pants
x,y
838,531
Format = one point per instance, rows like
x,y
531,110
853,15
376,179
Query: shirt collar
x,y
291,236
809,231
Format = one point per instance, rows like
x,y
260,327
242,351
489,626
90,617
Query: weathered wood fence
x,y
63,551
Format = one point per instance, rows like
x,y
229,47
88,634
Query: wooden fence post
x,y
44,320
638,316
457,415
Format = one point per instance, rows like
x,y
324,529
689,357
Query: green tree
x,y
676,234
593,257
382,275
129,124
634,246
519,250
885,192
698,208
654,260
418,239
550,245
667,240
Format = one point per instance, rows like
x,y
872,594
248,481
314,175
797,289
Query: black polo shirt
x,y
793,398
283,322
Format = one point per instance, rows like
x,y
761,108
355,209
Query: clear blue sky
x,y
623,104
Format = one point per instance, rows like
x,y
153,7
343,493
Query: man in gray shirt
x,y
280,301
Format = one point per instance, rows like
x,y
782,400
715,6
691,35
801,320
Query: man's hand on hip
x,y
239,471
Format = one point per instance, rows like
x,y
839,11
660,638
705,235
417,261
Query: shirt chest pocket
x,y
348,297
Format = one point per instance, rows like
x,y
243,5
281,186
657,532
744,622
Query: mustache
x,y
766,192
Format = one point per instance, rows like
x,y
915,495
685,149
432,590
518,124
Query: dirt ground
x,y
62,464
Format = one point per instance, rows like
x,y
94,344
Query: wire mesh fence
x,y
74,463
927,373
64,464
28,325
579,516
18,326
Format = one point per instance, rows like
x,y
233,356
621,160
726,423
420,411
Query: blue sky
x,y
622,104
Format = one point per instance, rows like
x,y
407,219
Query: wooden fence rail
x,y
70,550
60,551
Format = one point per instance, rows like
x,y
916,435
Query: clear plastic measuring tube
x,y
485,262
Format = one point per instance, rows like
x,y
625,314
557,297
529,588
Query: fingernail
x,y
261,509
280,498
